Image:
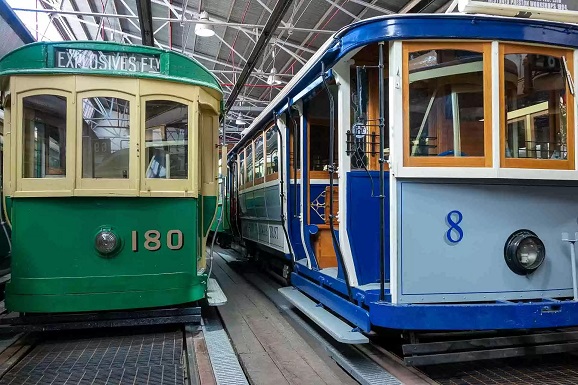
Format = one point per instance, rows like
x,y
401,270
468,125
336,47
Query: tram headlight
x,y
524,252
106,242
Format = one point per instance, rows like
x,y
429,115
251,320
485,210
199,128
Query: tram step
x,y
215,295
338,329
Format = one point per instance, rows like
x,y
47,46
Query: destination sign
x,y
106,61
556,10
560,5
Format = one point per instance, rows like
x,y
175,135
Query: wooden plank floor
x,y
270,349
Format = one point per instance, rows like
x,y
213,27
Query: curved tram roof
x,y
413,27
106,58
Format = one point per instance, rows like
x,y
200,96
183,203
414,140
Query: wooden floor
x,y
270,350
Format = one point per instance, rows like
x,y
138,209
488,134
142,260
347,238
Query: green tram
x,y
109,175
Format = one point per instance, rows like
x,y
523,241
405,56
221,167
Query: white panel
x,y
342,75
395,157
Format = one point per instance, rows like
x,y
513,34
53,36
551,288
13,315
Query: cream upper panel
x,y
109,116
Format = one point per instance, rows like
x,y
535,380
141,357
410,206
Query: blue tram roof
x,y
413,27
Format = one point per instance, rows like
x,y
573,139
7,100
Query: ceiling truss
x,y
242,51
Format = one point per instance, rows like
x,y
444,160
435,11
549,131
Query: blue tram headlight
x,y
106,242
524,252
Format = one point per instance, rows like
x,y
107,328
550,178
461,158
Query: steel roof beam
x,y
172,20
372,5
409,6
17,26
271,25
333,3
145,18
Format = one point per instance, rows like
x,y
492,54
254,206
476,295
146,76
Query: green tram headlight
x,y
524,252
106,242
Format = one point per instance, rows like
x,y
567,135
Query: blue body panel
x,y
354,314
363,224
539,314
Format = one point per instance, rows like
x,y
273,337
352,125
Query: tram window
x,y
166,140
259,161
446,103
105,137
249,163
242,167
272,152
44,126
294,125
536,107
318,117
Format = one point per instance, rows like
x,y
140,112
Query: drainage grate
x,y
226,366
154,358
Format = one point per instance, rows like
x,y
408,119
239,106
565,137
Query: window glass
x,y
242,167
249,161
536,108
446,103
44,126
294,125
319,119
105,137
259,161
166,140
272,152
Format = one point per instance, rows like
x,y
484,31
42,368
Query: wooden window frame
x,y
260,180
250,183
44,186
241,176
485,48
273,175
548,164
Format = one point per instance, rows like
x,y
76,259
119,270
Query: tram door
x,y
319,185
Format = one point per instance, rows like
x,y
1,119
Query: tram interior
x,y
166,138
105,137
44,136
535,91
446,102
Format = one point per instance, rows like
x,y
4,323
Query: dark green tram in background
x,y
109,175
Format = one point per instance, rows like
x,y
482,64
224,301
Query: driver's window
x,y
166,140
447,104
105,137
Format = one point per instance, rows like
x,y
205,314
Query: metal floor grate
x,y
154,359
558,369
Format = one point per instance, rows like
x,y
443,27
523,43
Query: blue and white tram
x,y
419,174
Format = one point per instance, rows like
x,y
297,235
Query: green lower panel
x,y
103,301
56,268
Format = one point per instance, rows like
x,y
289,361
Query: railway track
x,y
378,363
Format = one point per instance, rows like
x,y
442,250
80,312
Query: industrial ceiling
x,y
252,38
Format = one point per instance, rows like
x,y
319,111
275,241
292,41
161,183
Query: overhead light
x,y
239,121
202,29
273,79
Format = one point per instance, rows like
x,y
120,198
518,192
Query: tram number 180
x,y
153,242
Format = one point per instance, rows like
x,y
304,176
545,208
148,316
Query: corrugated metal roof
x,y
305,27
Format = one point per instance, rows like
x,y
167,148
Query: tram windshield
x,y
535,93
44,125
446,103
166,140
105,137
